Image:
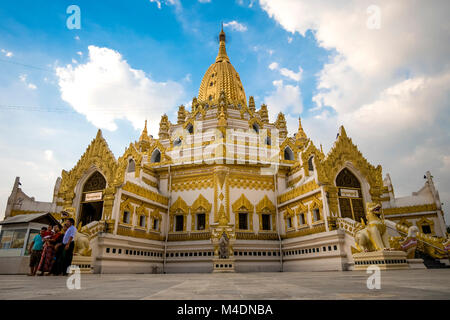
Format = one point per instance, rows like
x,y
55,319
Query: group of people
x,y
52,250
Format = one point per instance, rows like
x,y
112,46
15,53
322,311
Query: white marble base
x,y
385,260
223,265
84,263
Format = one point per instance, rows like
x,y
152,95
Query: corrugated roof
x,y
30,217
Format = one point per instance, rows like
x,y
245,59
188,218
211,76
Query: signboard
x,y
94,196
351,193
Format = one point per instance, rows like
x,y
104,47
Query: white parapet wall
x,y
257,256
189,257
120,254
324,251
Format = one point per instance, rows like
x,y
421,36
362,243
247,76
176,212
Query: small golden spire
x,y
222,55
144,134
300,133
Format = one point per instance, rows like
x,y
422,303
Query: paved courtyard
x,y
410,284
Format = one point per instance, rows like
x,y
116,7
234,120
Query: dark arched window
x,y
288,154
131,165
350,197
177,142
310,164
256,128
190,128
156,156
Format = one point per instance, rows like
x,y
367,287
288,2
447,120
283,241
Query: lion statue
x,y
373,236
82,245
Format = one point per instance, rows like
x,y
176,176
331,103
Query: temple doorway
x,y
351,202
91,207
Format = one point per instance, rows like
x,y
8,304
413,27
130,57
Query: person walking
x,y
36,251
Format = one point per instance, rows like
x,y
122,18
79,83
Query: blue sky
x,y
305,59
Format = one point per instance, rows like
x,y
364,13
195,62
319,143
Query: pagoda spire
x,y
222,55
144,135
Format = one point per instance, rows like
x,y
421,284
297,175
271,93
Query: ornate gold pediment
x,y
289,213
179,206
302,208
132,153
97,155
316,204
164,157
345,151
310,151
242,204
201,204
265,205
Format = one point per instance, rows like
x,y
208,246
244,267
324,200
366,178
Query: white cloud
x,y
77,38
24,79
296,76
204,1
175,3
273,66
236,26
285,98
158,3
106,88
74,61
289,39
389,86
7,53
79,53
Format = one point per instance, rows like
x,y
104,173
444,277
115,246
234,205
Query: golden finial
x,y
342,132
300,133
222,55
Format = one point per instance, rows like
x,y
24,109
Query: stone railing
x,y
350,226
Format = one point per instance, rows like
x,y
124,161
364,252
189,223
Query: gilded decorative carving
x,y
96,155
201,204
150,182
252,182
243,205
306,231
298,191
265,206
192,183
342,152
148,194
410,209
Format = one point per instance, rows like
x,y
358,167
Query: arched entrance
x,y
92,199
350,196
